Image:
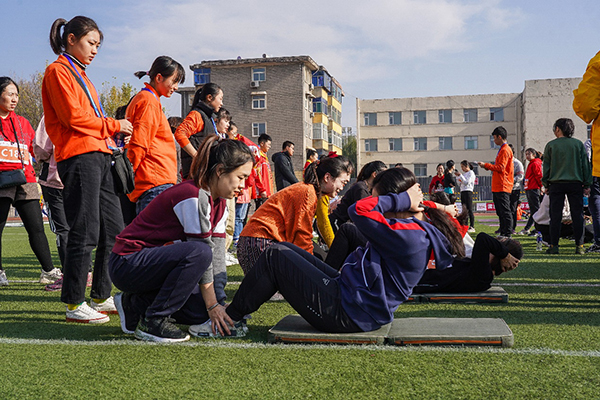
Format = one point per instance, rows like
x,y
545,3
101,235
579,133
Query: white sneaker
x,y
3,278
49,277
230,259
84,314
106,307
471,229
204,330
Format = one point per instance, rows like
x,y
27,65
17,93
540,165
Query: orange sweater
x,y
191,125
71,122
502,170
152,149
286,217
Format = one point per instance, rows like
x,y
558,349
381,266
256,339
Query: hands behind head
x,y
416,198
509,263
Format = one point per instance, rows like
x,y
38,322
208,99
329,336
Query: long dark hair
x,y
79,26
208,89
367,170
5,81
398,180
335,166
216,153
165,66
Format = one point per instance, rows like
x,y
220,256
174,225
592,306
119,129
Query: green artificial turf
x,y
556,352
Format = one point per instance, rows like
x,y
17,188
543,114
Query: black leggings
x,y
31,215
466,198
347,239
304,281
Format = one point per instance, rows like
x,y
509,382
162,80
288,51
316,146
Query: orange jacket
x,y
264,177
192,124
71,122
152,147
502,170
286,217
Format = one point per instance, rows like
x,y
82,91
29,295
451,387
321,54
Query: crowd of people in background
x,y
162,202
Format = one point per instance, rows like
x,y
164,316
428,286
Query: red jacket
x,y
9,157
533,175
264,178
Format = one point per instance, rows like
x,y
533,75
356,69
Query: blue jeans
x,y
594,205
241,209
94,216
150,195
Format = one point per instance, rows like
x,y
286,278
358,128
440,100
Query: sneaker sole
x,y
89,321
47,281
151,338
121,312
114,312
52,289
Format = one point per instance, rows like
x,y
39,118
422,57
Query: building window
x,y
259,101
445,143
420,169
420,144
445,116
420,117
259,74
320,105
395,144
492,144
470,114
336,115
496,114
319,131
258,128
370,119
395,118
201,76
370,144
471,143
589,131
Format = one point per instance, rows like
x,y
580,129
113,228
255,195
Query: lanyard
x,y
99,113
153,94
14,130
214,126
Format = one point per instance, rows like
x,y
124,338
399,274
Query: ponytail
x,y
78,26
335,166
442,222
216,154
165,66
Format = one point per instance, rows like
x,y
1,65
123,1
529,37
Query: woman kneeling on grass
x,y
169,261
374,280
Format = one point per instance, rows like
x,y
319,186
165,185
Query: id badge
x,y
9,153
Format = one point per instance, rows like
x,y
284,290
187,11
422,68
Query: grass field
x,y
553,310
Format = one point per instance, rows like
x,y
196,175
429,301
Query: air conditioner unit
x,y
312,114
254,84
311,86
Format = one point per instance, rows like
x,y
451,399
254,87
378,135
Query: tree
x,y
113,96
349,150
30,98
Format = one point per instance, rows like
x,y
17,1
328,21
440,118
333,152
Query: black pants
x,y
514,203
162,279
304,281
574,193
94,217
31,216
346,240
533,198
57,218
502,204
466,198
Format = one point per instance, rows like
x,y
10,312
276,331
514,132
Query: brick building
x,y
289,98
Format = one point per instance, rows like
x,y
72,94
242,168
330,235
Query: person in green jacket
x,y
566,171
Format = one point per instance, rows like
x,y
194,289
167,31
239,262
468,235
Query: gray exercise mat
x,y
294,329
450,331
495,294
402,331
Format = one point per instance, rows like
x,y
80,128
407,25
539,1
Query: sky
x,y
375,49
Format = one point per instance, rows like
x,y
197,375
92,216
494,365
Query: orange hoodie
x,y
71,122
152,149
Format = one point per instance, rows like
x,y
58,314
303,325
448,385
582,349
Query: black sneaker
x,y
160,330
594,248
129,317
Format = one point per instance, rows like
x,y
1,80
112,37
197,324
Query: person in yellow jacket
x,y
586,104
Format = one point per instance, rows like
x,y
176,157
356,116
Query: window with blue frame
x,y
322,79
259,74
201,76
320,105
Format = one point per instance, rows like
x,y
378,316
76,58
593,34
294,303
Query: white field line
x,y
217,343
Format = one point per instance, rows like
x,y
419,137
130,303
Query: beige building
x,y
288,98
423,132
